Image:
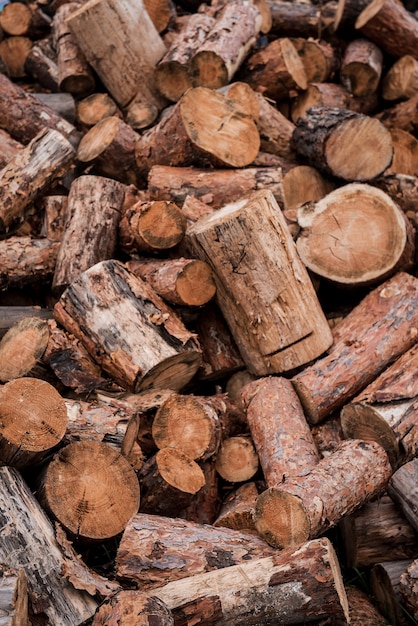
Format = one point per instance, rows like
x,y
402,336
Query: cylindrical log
x,y
401,81
168,481
304,507
133,335
94,108
327,435
23,179
402,489
237,459
97,202
405,153
384,325
291,587
361,67
385,586
150,545
40,64
204,507
280,432
319,59
240,241
403,115
362,609
237,509
90,489
11,315
343,143
27,261
275,129
304,184
129,606
299,19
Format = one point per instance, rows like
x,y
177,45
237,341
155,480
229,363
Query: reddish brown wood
x,y
130,606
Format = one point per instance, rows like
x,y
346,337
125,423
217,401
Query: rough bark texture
x,y
128,607
402,489
385,586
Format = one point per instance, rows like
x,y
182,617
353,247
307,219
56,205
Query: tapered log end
x,y
281,519
172,373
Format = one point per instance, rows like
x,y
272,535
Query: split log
x,y
94,108
13,53
382,324
27,261
293,586
355,236
276,70
408,588
138,339
385,586
109,146
90,489
376,533
122,45
304,507
237,459
386,410
300,19
128,606
257,317
402,489
22,348
151,227
361,67
403,115
74,73
203,128
280,432
29,543
150,545
343,143
168,482
42,161
13,597
401,80
303,184
237,509
390,26
98,202
214,187
227,44
33,421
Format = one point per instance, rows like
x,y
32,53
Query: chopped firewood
x,y
237,509
401,80
237,459
22,348
94,108
402,490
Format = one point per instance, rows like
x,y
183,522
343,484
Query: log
x,y
402,489
292,586
304,507
278,427
303,184
402,189
38,405
11,315
94,108
29,543
332,139
43,160
237,459
275,129
168,482
385,586
203,128
151,544
22,348
362,609
401,80
405,153
355,236
361,67
327,435
237,509
376,533
54,208
13,597
122,45
369,328
407,586
403,115
13,53
15,19
98,202
129,606
61,103
255,318
319,59
90,489
40,64
204,506
346,14
163,354
9,148
27,261
300,19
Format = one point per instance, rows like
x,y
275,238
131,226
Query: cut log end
x,y
22,347
281,519
160,226
237,459
179,471
195,284
173,373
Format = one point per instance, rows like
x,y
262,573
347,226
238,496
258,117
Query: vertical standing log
x,y
261,284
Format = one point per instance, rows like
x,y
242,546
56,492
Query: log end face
x,y
172,373
281,519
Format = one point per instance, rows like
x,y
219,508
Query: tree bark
x,y
304,507
41,64
27,261
256,317
407,585
13,597
163,353
403,115
297,19
402,489
128,606
362,610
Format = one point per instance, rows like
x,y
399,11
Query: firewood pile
x,y
208,312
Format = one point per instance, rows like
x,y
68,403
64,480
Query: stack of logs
x,y
209,312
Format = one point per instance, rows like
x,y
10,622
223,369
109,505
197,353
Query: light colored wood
x,y
401,81
13,597
237,459
129,606
361,67
237,509
304,184
405,153
22,348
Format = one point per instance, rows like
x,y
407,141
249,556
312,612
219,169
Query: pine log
x,y
24,116
226,46
361,67
376,533
11,315
98,202
54,208
90,489
237,509
22,348
377,331
15,19
303,184
385,586
402,489
343,143
29,543
300,19
386,410
319,59
305,506
204,507
362,609
403,115
388,24
27,261
355,236
276,70
138,340
122,45
33,421
151,544
346,14
151,227
42,161
293,586
214,187
256,315
275,129
168,482
110,147
237,459
13,53
131,607
280,432
403,190
74,73
13,597
40,64
94,108
408,588
327,435
401,80
203,128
